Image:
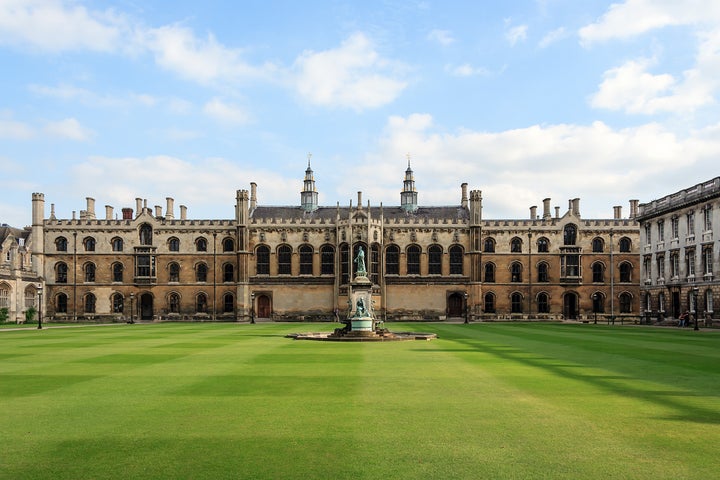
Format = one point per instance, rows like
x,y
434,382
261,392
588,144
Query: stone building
x,y
19,279
678,234
296,262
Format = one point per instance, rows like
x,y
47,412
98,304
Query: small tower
x,y
408,196
309,196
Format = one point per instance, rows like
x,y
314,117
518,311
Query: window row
x,y
518,303
118,301
674,230
305,254
598,269
671,264
117,244
117,271
542,244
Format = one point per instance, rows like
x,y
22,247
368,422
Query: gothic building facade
x,y
295,262
680,261
20,285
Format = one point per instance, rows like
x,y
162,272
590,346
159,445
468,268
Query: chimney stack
x,y
169,208
359,204
183,212
557,212
138,205
546,209
634,208
108,212
576,207
90,214
464,198
617,212
533,212
158,211
253,196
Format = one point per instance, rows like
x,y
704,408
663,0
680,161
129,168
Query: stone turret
x,y
309,195
408,196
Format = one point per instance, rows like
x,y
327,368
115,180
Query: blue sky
x,y
193,100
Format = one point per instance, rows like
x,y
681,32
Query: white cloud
x,y
225,112
54,26
466,70
69,129
518,168
516,34
351,76
14,130
179,50
443,37
552,37
635,17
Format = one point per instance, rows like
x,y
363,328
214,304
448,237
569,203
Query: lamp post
x,y
132,308
465,296
595,309
695,308
40,290
252,307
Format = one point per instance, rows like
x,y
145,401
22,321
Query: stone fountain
x,y
361,324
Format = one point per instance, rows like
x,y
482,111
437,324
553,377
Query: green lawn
x,y
214,401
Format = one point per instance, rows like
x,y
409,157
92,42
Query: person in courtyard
x,y
683,320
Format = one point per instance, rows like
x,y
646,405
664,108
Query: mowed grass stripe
x,y
241,401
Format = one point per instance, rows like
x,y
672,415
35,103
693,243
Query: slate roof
x,y
328,214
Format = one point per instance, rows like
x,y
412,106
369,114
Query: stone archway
x,y
455,305
146,306
264,306
570,306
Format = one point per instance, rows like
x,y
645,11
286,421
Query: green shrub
x,y
3,315
30,314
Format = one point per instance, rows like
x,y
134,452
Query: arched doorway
x,y
570,306
264,306
146,307
455,305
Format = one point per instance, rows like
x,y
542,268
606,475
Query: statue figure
x,y
360,308
360,261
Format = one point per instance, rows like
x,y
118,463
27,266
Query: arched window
x,y
201,271
4,296
542,272
626,272
543,245
61,272
174,244
490,273
489,245
435,260
413,260
89,303
284,254
173,272
118,303
598,302
174,303
228,272
625,302
201,245
327,260
146,234
598,272
516,245
374,263
306,259
344,263
61,303
516,272
201,303
228,245
489,303
456,260
262,260
61,244
392,260
117,244
598,246
516,303
89,244
228,303
570,234
543,303
625,245
117,272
